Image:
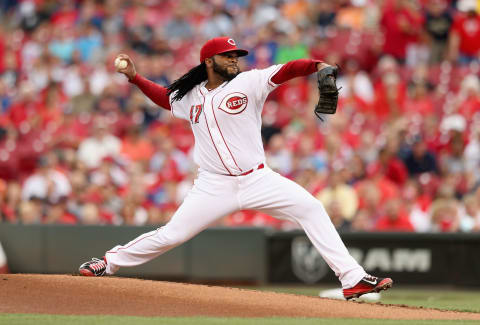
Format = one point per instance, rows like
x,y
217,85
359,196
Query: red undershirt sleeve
x,y
293,69
157,93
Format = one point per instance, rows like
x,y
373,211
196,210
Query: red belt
x,y
251,170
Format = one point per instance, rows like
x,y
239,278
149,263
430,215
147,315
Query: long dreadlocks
x,y
186,82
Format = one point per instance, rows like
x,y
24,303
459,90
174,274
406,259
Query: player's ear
x,y
209,62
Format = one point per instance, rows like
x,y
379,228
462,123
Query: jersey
x,y
226,121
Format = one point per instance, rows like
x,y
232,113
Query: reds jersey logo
x,y
234,103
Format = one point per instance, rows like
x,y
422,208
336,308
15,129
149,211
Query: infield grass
x,y
29,319
441,298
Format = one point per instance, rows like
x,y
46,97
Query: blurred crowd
x,y
80,145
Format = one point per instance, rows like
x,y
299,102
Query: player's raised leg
x,y
209,200
283,198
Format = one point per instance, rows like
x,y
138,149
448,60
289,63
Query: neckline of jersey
x,y
213,90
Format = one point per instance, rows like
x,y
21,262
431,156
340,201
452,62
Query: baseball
x,y
120,63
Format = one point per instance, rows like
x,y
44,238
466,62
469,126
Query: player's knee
x,y
313,209
172,238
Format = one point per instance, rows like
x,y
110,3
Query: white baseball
x,y
120,63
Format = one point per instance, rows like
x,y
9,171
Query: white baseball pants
x,y
214,196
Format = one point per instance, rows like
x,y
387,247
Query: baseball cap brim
x,y
240,52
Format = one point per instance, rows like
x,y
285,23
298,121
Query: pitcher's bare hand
x,y
129,71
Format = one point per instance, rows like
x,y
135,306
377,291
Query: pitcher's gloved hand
x,y
328,91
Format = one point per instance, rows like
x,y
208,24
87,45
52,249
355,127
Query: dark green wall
x,y
248,254
216,254
408,258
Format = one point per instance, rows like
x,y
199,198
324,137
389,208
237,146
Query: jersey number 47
x,y
195,112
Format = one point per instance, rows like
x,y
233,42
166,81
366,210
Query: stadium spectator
x,y
90,214
465,32
57,213
47,183
419,100
437,21
168,159
471,214
220,23
390,90
135,147
291,47
391,167
334,210
362,222
324,13
416,206
401,23
338,191
178,28
394,219
369,205
11,201
127,162
468,98
472,155
100,145
29,212
445,215
355,83
420,159
279,158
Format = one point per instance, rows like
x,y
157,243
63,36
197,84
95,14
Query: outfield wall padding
x,y
409,258
249,254
215,254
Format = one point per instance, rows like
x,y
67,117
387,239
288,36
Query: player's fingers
x,y
121,70
124,57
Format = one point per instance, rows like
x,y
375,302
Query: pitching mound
x,y
66,294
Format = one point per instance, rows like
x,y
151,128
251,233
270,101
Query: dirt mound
x,y
66,294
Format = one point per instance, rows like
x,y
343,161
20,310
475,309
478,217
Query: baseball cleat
x,y
95,267
366,285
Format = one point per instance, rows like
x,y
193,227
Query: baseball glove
x,y
328,92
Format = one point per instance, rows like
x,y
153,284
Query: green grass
x,y
27,319
445,298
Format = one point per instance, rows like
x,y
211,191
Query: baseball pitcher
x,y
224,106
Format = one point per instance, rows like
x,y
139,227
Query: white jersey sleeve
x,y
262,82
178,107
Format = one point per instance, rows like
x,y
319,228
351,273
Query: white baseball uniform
x,y
226,123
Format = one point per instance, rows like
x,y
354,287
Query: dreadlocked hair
x,y
186,82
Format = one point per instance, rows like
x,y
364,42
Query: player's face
x,y
226,65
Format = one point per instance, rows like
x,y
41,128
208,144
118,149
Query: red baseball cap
x,y
219,45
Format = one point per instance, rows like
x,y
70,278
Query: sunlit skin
x,y
221,68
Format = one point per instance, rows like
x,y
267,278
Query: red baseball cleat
x,y
95,267
366,285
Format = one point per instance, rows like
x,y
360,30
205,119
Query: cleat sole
x,y
388,283
86,272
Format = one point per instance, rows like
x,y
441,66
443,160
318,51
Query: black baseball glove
x,y
328,92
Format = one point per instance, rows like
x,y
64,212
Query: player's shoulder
x,y
186,98
260,71
244,77
245,74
